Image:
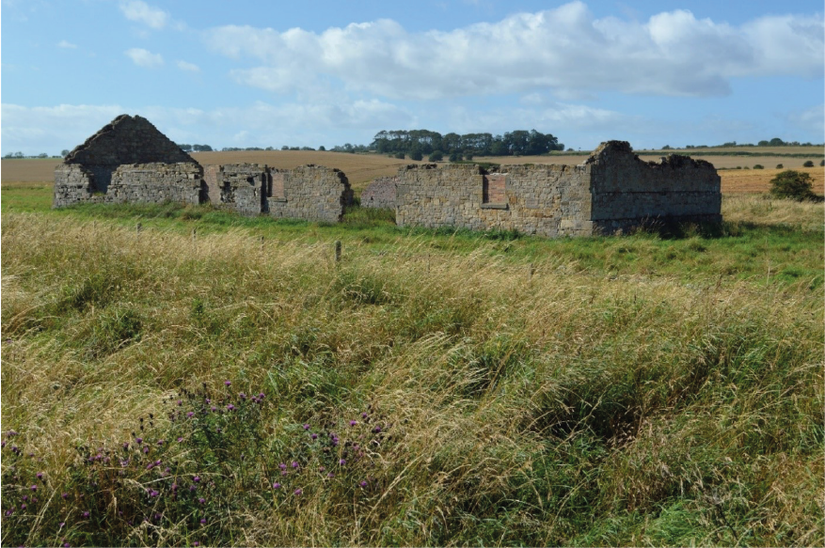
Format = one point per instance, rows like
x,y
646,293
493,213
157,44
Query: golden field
x,y
361,169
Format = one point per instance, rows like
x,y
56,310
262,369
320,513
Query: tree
x,y
808,163
322,148
779,166
185,148
436,156
455,156
793,185
400,155
416,155
65,152
776,142
758,166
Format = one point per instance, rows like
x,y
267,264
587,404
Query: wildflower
x,y
294,464
353,423
342,462
65,495
192,488
196,479
314,436
139,440
40,475
330,475
180,403
34,488
321,468
125,445
86,515
196,543
364,415
227,383
299,492
376,429
160,442
146,449
190,414
23,506
276,485
180,440
242,396
283,472
66,545
261,396
25,498
230,407
202,500
282,466
203,521
363,484
306,427
174,487
214,408
62,524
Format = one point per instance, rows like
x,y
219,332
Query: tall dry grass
x,y
524,404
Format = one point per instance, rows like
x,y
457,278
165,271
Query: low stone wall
x,y
132,183
545,200
242,187
315,193
381,193
613,190
73,184
156,183
628,192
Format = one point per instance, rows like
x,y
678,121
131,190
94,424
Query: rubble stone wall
x,y
550,200
613,190
315,193
156,183
628,192
380,193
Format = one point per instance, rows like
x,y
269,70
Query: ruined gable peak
x,y
128,140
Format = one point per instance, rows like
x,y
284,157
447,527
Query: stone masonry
x,y
612,191
128,160
308,192
381,193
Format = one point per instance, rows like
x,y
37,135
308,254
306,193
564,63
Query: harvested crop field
x,y
361,169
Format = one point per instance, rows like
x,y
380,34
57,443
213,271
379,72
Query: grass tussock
x,y
160,389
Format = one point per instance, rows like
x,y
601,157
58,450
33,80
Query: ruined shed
x,y
128,160
612,191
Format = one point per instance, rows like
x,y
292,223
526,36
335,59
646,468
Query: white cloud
x,y
66,45
188,67
144,58
566,50
141,12
811,120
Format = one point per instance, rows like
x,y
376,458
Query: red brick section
x,y
494,189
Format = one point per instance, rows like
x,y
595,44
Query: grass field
x,y
222,380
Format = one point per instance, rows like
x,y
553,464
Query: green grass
x,y
636,390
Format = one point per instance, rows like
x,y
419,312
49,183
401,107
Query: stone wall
x,y
380,193
309,192
628,192
550,200
156,183
613,190
315,193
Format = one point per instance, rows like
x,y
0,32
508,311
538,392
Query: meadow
x,y
181,376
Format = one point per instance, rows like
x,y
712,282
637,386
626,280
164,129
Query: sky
x,y
310,73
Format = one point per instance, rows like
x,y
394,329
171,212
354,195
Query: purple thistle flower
x,y
294,464
139,440
146,449
3,444
202,500
276,485
190,414
322,468
160,442
153,493
40,475
282,466
330,475
214,408
314,436
284,472
242,396
299,492
192,488
306,427
65,495
23,506
261,396
196,479
25,498
227,383
126,445
230,407
174,487
180,402
67,545
196,543
34,488
376,429
86,515
203,521
342,462
180,440
353,423
363,484
208,401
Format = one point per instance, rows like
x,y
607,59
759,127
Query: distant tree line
x,y
21,156
195,148
419,142
775,142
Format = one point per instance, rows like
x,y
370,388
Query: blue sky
x,y
311,73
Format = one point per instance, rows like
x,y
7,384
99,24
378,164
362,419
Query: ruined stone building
x,y
130,161
612,190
